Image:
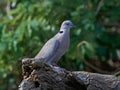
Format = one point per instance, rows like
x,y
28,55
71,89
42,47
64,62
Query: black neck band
x,y
60,31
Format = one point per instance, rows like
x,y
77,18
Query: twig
x,y
95,68
100,4
86,62
108,24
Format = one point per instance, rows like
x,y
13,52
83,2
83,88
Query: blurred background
x,y
25,25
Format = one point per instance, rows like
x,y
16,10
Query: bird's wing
x,y
49,49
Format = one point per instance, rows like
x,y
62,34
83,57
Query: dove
x,y
56,47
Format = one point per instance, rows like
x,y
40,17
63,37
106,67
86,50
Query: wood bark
x,y
38,75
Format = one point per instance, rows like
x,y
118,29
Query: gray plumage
x,y
55,48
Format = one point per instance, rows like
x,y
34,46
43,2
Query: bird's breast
x,y
64,44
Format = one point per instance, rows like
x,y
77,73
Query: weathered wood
x,y
94,81
40,76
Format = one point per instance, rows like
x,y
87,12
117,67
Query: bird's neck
x,y
63,35
64,31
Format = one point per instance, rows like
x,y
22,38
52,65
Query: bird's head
x,y
67,25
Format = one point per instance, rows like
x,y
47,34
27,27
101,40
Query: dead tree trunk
x,y
38,75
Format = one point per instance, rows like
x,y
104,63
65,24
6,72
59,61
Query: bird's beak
x,y
73,26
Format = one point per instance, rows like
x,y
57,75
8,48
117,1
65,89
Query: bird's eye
x,y
67,23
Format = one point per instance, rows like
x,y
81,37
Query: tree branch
x,y
41,76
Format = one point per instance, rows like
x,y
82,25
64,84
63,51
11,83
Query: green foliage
x,y
28,25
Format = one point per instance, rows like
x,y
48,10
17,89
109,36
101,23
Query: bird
x,y
56,47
